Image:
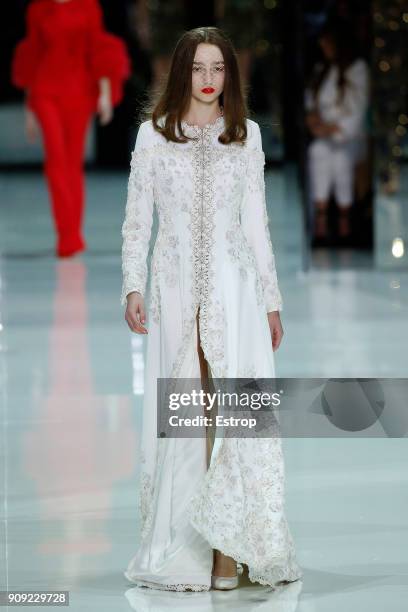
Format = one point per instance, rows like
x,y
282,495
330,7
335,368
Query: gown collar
x,y
207,127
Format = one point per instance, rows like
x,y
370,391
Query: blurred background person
x,y
70,67
336,102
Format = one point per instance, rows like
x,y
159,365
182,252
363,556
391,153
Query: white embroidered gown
x,y
213,251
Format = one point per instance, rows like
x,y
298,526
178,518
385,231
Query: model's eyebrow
x,y
202,63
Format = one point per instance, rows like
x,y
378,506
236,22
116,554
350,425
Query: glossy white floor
x,y
71,390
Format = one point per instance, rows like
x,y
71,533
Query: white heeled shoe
x,y
224,583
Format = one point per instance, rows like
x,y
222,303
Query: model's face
x,y
207,73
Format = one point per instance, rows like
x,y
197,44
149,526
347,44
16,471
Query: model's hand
x,y
31,125
312,120
105,109
135,312
275,326
327,129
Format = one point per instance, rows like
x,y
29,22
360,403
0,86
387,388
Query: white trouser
x,y
331,167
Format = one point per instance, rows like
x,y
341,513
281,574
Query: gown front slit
x,y
212,282
207,386
176,556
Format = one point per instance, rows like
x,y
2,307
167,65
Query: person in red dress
x,y
70,67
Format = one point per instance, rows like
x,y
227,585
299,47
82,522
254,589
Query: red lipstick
x,y
208,90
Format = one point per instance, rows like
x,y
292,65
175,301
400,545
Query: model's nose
x,y
207,79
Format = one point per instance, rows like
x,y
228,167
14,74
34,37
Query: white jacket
x,y
213,247
350,112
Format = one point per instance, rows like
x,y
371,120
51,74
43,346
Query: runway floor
x,y
71,377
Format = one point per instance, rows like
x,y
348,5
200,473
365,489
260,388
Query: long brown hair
x,y
173,102
341,34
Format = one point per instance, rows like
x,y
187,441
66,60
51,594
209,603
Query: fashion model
x,y
336,104
70,67
213,301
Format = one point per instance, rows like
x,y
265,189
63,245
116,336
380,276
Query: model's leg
x,y
206,385
75,138
222,565
55,165
321,220
319,160
343,163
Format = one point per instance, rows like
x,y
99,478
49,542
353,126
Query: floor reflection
x,y
254,598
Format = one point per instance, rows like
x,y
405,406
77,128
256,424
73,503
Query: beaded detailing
x,y
167,587
256,190
244,257
145,498
212,125
203,226
137,224
240,509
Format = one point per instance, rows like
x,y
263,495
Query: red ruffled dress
x,y
68,49
60,61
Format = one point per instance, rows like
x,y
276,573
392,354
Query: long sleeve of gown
x,y
27,51
255,222
137,226
108,55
